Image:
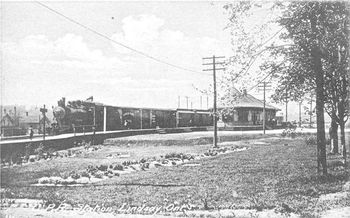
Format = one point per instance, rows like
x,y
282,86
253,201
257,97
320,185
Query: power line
x,y
273,36
269,74
255,56
116,42
260,81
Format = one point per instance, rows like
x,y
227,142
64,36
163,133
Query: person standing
x,y
31,132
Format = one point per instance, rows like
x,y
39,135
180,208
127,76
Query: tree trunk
x,y
321,136
341,112
321,139
334,137
342,139
319,76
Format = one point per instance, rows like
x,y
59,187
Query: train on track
x,y
77,115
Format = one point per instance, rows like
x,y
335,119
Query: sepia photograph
x,y
176,108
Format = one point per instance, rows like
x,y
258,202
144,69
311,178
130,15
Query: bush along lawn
x,y
278,174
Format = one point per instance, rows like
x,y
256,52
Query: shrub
x,y
85,174
40,150
292,134
108,173
91,169
98,175
44,180
284,133
28,150
68,181
174,155
55,180
74,175
145,165
102,167
188,157
65,175
143,160
165,161
118,167
51,151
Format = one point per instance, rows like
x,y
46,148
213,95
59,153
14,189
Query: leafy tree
x,y
250,38
318,61
314,58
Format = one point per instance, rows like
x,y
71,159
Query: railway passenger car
x,y
192,118
85,114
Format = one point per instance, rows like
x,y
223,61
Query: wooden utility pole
x,y
264,110
186,101
178,101
94,126
214,69
94,115
300,113
201,102
264,86
286,104
44,111
141,119
207,102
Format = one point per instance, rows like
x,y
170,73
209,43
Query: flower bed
x,y
98,173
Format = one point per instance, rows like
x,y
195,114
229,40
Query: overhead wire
x,y
250,63
268,75
119,43
255,56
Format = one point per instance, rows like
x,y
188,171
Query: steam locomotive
x,y
100,117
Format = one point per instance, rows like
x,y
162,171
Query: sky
x,y
46,57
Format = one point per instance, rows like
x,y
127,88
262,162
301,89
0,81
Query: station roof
x,y
245,100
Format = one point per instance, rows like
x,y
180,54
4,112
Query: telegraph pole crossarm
x,y
214,69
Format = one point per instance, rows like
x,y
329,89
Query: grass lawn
x,y
262,177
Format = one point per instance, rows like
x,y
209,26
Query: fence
x,y
14,131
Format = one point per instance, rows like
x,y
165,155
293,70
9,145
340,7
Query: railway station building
x,y
246,110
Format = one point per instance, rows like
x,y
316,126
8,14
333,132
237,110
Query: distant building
x,y
246,110
10,123
7,121
30,121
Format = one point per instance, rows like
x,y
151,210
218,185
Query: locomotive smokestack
x,y
62,102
